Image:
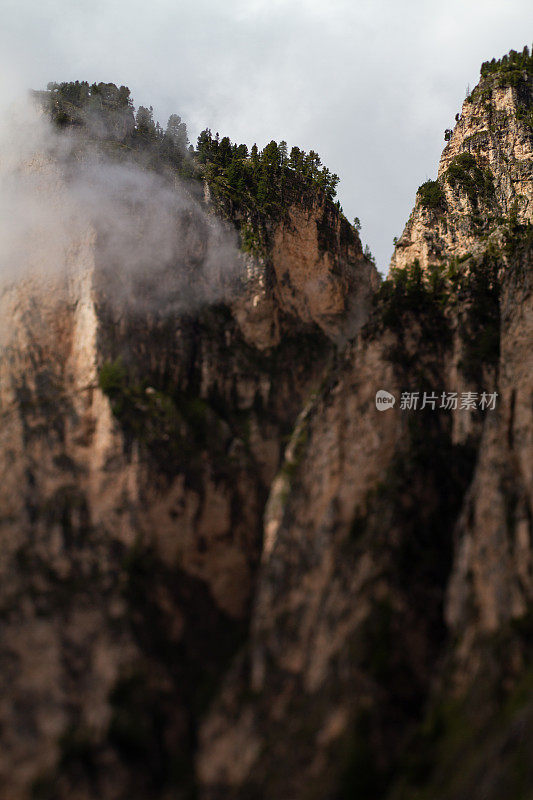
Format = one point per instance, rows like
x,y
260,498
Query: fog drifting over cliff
x,y
157,248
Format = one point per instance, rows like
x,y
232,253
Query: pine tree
x,y
204,146
224,152
177,131
144,123
254,157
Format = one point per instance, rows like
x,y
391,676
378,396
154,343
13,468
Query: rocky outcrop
x,y
308,266
484,175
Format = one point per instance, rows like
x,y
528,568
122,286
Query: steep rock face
x,y
60,454
321,274
347,620
137,451
395,580
493,129
492,579
478,195
309,268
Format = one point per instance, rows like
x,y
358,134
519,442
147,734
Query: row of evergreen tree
x,y
513,61
244,175
81,94
264,169
108,110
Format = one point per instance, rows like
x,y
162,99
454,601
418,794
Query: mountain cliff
x,y
225,572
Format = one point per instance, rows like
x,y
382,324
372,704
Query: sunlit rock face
x,y
493,130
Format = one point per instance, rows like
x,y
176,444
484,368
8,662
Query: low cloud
x,y
157,249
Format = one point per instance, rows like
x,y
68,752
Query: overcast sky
x,y
370,84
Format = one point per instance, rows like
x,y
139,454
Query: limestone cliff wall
x,y
130,520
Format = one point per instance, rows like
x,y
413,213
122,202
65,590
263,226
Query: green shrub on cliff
x,y
465,173
525,114
113,377
431,195
412,291
173,428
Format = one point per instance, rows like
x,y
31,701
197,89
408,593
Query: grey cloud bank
x,y
370,85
